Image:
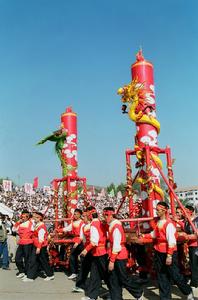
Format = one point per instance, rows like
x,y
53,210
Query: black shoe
x,y
42,275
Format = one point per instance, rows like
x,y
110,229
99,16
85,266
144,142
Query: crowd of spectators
x,y
17,200
40,200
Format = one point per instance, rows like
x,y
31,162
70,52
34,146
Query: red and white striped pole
x,y
69,154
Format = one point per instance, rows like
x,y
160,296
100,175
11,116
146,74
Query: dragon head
x,y
131,91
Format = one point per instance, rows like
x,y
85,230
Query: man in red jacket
x,y
165,258
118,256
192,246
97,246
39,254
85,265
24,228
74,228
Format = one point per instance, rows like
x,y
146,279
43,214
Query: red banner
x,y
35,183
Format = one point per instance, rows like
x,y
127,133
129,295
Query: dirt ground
x,y
12,288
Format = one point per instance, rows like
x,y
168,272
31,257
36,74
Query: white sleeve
x,y
33,225
170,234
41,235
153,235
116,241
94,235
15,228
68,228
82,237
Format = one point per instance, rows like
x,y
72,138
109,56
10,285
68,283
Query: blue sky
x,y
55,54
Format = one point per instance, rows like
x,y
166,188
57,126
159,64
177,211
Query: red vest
x,y
123,253
38,243
192,243
100,249
25,233
161,243
179,224
76,226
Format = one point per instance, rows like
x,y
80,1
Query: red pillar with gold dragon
x,y
138,99
65,140
139,96
65,196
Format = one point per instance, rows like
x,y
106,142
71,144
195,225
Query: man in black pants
x,y
192,246
118,276
97,246
85,265
74,229
39,254
165,258
24,229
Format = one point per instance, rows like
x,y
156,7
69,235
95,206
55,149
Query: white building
x,y
188,193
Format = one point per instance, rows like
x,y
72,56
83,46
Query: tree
x,y
136,187
110,188
185,201
6,178
121,188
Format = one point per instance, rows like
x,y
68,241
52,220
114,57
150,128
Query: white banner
x,y
7,185
28,188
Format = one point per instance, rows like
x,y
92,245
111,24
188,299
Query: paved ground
x,y
12,288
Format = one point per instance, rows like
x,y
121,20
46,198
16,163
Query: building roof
x,y
187,189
